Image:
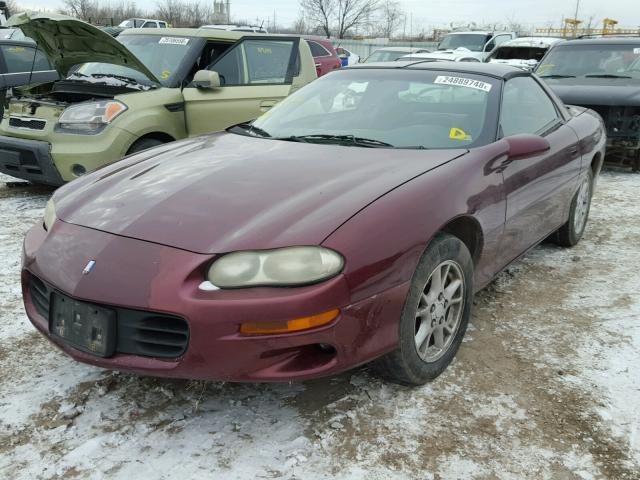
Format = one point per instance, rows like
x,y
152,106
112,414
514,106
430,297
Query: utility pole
x,y
575,17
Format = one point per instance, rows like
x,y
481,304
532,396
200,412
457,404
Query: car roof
x,y
604,41
531,42
18,43
399,49
189,32
496,70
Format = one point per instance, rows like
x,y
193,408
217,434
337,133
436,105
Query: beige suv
x,y
150,86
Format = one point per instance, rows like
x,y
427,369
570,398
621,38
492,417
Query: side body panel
x,y
384,241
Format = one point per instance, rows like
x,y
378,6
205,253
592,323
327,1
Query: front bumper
x,y
146,277
29,160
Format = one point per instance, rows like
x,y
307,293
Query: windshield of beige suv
x,y
163,55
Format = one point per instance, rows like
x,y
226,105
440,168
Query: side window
x,y
150,25
526,108
254,62
162,24
317,50
20,59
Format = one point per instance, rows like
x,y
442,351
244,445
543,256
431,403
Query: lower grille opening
x,y
39,296
152,335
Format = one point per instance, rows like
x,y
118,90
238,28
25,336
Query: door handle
x,y
573,150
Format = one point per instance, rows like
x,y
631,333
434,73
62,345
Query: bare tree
x,y
392,17
320,13
172,11
83,9
353,14
300,25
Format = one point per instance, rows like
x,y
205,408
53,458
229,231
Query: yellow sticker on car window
x,y
16,49
165,74
265,50
459,134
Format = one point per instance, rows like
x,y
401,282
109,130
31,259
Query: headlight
x,y
289,266
90,117
49,214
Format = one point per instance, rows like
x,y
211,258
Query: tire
x,y
418,359
571,232
143,144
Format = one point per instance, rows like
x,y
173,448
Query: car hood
x,y
227,192
68,42
597,91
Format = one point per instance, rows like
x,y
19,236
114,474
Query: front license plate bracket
x,y
84,326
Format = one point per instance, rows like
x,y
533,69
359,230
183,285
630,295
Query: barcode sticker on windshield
x,y
173,41
463,82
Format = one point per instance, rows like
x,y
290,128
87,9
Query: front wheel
x,y
435,315
571,232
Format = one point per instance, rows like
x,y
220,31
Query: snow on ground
x,y
545,386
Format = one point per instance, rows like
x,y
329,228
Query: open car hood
x,y
68,42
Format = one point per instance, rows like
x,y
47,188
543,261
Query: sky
x,y
439,13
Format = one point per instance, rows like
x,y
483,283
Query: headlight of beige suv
x,y
91,117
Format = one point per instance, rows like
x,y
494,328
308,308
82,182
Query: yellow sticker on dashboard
x,y
458,134
165,74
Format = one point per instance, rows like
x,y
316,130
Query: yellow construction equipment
x,y
573,23
609,26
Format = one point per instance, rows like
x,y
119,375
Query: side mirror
x,y
206,79
526,145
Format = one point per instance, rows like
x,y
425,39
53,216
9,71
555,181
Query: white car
x,y
142,23
237,28
473,46
523,52
391,54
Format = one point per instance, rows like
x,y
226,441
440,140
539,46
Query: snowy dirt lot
x,y
545,386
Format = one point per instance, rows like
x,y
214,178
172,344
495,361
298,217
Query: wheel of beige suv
x,y
571,232
435,314
143,144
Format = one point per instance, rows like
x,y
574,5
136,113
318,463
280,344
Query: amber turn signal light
x,y
289,326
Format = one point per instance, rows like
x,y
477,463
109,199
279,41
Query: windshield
x,y
400,108
473,42
385,56
519,53
163,55
592,60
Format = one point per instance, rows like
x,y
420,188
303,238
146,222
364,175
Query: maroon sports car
x,y
351,223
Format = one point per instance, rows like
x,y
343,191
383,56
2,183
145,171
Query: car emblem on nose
x,y
89,267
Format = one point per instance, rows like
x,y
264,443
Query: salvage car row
x,y
351,222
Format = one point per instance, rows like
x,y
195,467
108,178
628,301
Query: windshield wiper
x,y
359,141
607,75
250,130
557,75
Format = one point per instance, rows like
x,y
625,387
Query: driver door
x,y
255,74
